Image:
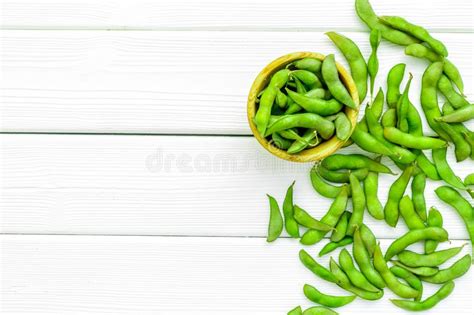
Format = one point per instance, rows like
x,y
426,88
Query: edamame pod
x,y
296,311
354,275
395,194
315,267
319,310
444,170
335,86
353,161
316,296
343,126
429,303
454,98
407,210
341,227
368,142
412,280
418,185
456,270
306,120
407,140
419,271
275,225
373,62
428,168
358,205
394,79
412,259
342,176
316,105
291,226
332,246
305,219
368,238
308,78
321,186
371,195
362,257
435,219
310,64
462,114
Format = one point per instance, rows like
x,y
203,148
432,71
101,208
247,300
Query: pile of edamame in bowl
x,y
303,105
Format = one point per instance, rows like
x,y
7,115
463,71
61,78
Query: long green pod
x,y
355,60
403,106
453,198
310,64
358,205
389,278
362,257
343,281
332,246
321,186
462,147
446,88
367,15
419,271
355,276
305,219
407,140
341,227
369,143
412,280
305,120
343,175
428,168
456,270
451,71
460,115
368,238
413,236
395,194
389,118
291,226
353,161
316,105
308,78
330,218
444,170
317,296
416,31
429,97
374,206
275,225
373,62
317,269
427,304
407,210
394,79
309,139
343,126
435,219
378,104
335,86
413,259
415,126
418,185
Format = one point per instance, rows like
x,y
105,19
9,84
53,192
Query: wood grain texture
x,y
158,275
161,82
226,15
161,185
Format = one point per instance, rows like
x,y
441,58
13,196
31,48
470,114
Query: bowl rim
x,y
324,149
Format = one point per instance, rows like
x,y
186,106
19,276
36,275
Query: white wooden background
x,y
129,179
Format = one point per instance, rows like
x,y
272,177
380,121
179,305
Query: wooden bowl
x,y
324,149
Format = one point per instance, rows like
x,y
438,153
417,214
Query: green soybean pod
x,y
462,114
315,105
275,225
429,97
362,257
395,194
407,140
367,15
368,238
416,31
453,198
330,218
315,267
446,88
342,176
389,278
341,227
343,281
469,180
316,93
308,78
456,270
451,71
462,147
354,275
444,170
374,207
429,303
412,280
281,99
319,310
394,79
309,139
413,259
280,142
343,126
305,219
310,64
407,210
358,205
321,186
332,246
296,311
368,142
373,62
389,118
353,162
335,86
291,226
377,104
413,236
415,126
403,106
418,185
419,271
318,297
305,120
428,168
355,60
435,219
262,116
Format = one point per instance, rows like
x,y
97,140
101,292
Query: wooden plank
x,y
225,15
157,275
161,185
150,82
